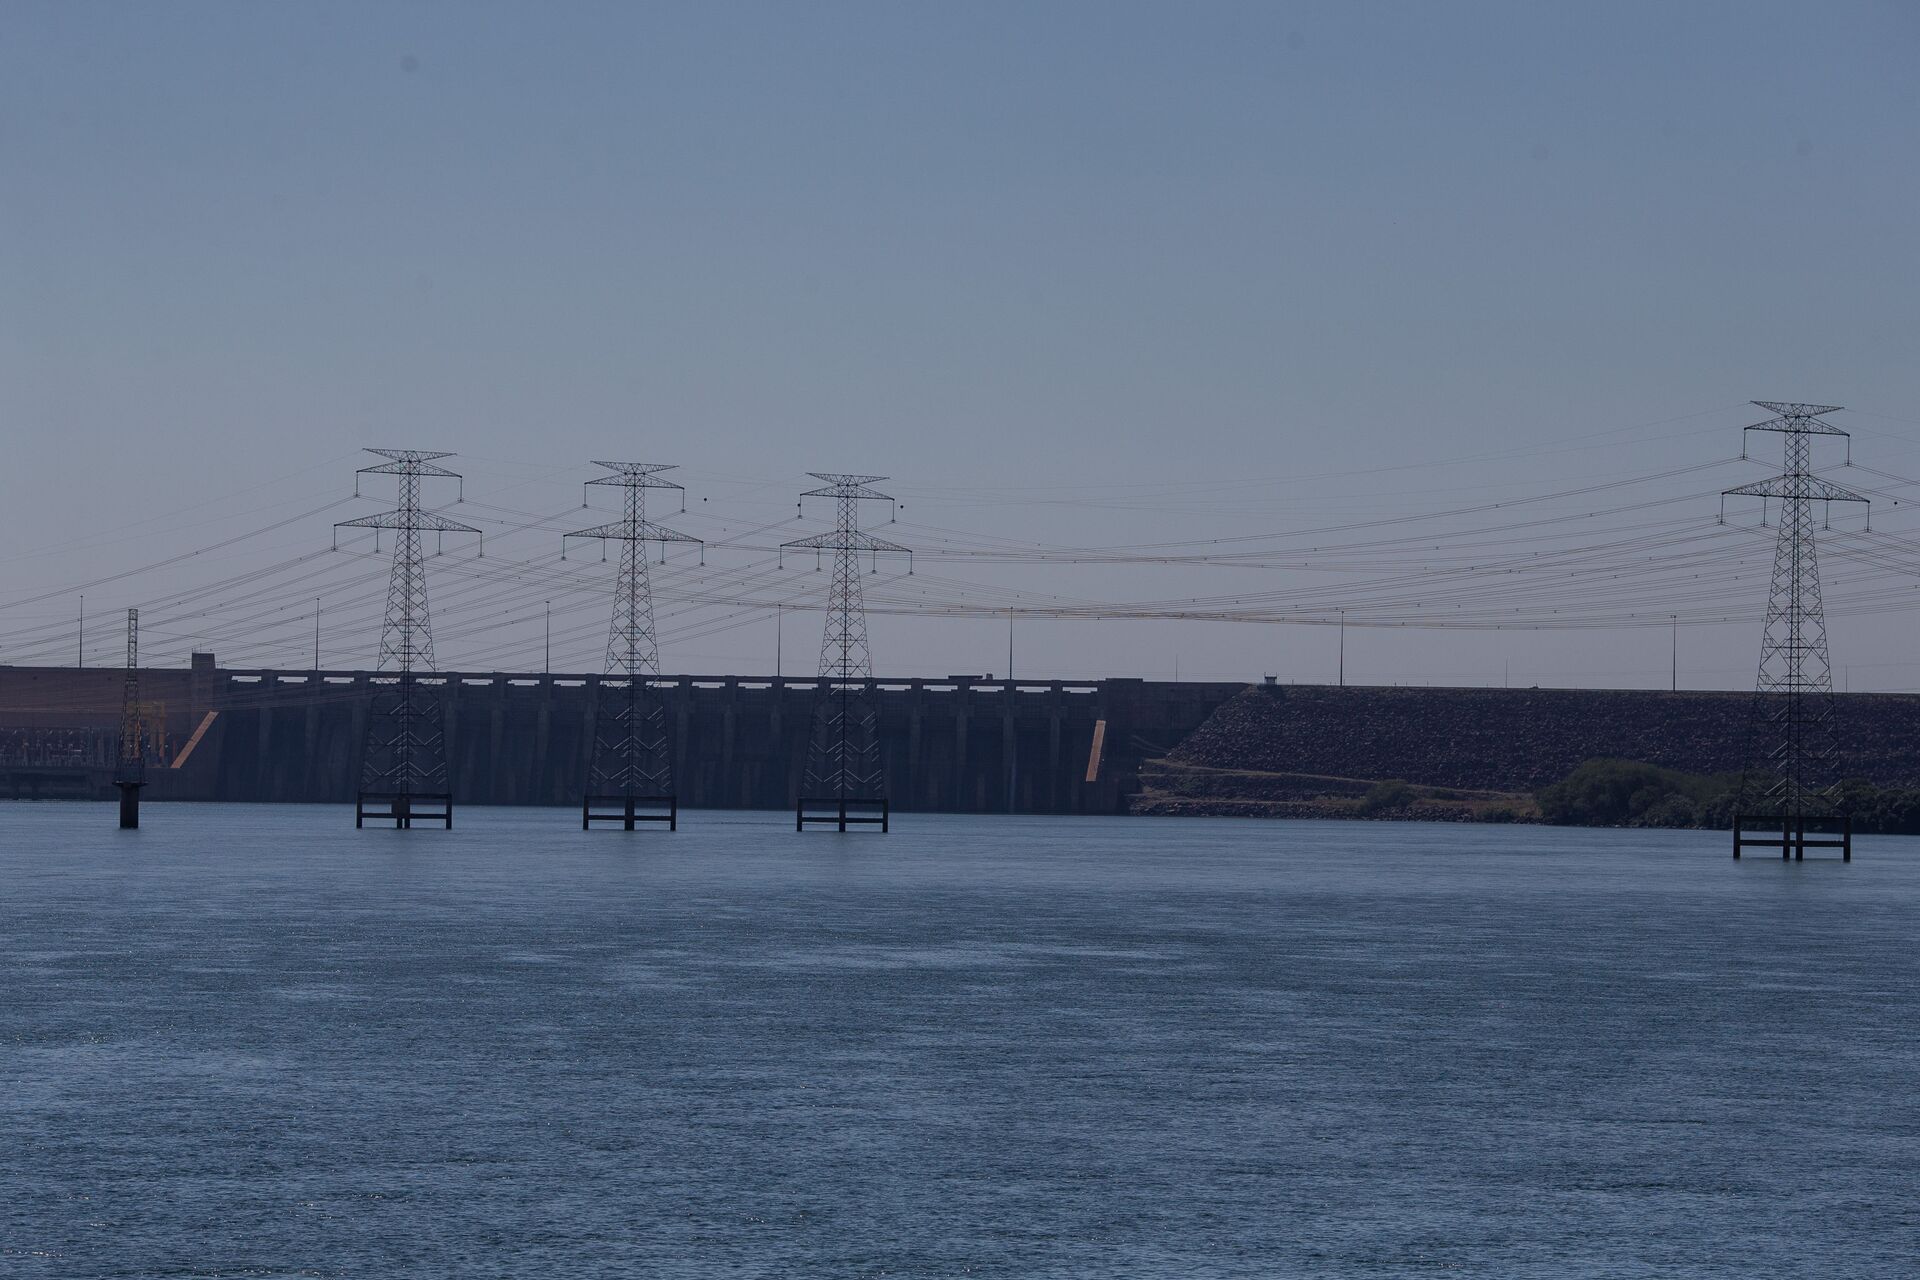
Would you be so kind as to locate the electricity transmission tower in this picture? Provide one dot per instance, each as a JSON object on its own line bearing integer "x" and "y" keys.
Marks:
{"x": 630, "y": 778}
{"x": 403, "y": 774}
{"x": 130, "y": 770}
{"x": 1792, "y": 760}
{"x": 845, "y": 778}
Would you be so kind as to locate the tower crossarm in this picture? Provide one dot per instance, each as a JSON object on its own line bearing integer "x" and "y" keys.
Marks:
{"x": 403, "y": 519}
{"x": 840, "y": 485}
{"x": 418, "y": 462}
{"x": 1793, "y": 416}
{"x": 1811, "y": 487}
{"x": 642, "y": 475}
{"x": 844, "y": 540}
{"x": 635, "y": 531}
{"x": 634, "y": 525}
{"x": 409, "y": 465}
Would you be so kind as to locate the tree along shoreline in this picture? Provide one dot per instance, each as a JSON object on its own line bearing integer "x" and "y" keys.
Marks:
{"x": 1629, "y": 793}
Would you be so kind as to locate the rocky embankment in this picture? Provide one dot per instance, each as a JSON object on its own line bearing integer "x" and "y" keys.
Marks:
{"x": 1474, "y": 754}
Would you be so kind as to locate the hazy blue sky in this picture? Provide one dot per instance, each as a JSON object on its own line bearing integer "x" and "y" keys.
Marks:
{"x": 972, "y": 247}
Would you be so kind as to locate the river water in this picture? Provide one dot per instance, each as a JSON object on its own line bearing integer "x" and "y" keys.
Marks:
{"x": 250, "y": 1041}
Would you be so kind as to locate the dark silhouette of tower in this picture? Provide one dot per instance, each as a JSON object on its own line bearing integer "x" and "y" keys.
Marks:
{"x": 403, "y": 774}
{"x": 130, "y": 769}
{"x": 1792, "y": 761}
{"x": 845, "y": 779}
{"x": 630, "y": 778}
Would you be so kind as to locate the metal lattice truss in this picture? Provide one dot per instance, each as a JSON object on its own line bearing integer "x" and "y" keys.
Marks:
{"x": 1793, "y": 755}
{"x": 406, "y": 750}
{"x": 844, "y": 760}
{"x": 132, "y": 764}
{"x": 631, "y": 752}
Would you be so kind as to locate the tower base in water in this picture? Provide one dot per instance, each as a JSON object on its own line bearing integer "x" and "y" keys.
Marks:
{"x": 835, "y": 811}
{"x": 629, "y": 811}
{"x": 403, "y": 809}
{"x": 129, "y": 804}
{"x": 1789, "y": 835}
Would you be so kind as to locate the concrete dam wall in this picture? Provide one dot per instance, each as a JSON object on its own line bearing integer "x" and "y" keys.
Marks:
{"x": 954, "y": 745}
{"x": 957, "y": 745}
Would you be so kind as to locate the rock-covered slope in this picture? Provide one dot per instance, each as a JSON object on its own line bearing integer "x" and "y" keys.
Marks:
{"x": 1517, "y": 740}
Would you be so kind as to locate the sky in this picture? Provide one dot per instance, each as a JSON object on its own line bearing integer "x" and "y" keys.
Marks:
{"x": 1076, "y": 274}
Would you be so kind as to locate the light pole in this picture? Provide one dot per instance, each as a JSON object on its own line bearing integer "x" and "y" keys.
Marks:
{"x": 546, "y": 662}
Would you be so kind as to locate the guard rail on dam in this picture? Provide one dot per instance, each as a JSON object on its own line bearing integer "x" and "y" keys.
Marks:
{"x": 959, "y": 744}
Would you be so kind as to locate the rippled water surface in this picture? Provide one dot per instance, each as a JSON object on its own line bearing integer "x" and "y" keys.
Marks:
{"x": 254, "y": 1042}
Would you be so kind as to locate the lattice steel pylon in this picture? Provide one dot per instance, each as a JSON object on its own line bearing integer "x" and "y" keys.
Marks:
{"x": 845, "y": 779}
{"x": 630, "y": 778}
{"x": 403, "y": 773}
{"x": 1793, "y": 757}
{"x": 130, "y": 768}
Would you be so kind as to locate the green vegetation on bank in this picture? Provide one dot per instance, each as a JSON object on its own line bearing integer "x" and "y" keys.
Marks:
{"x": 1386, "y": 797}
{"x": 1628, "y": 793}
